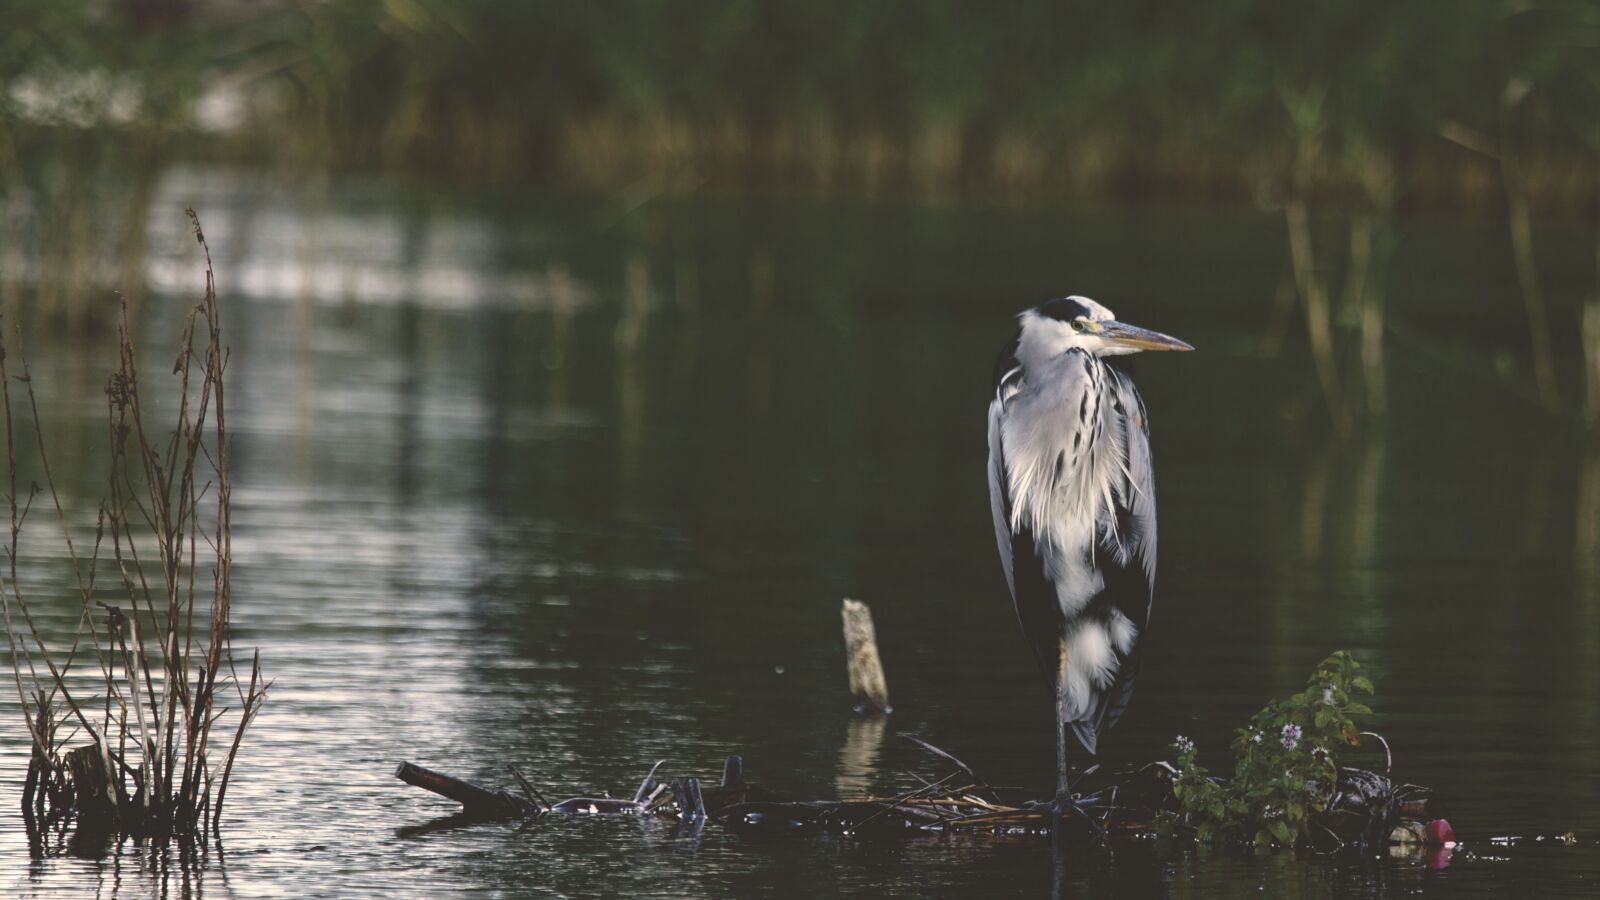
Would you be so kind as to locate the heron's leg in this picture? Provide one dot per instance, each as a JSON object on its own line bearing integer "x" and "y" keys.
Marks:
{"x": 1063, "y": 793}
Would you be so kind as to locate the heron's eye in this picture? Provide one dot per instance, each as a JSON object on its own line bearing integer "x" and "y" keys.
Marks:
{"x": 1078, "y": 326}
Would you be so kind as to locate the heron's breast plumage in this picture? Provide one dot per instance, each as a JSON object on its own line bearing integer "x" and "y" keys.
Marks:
{"x": 1063, "y": 461}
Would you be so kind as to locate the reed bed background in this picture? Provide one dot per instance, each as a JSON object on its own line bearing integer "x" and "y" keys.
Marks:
{"x": 1343, "y": 119}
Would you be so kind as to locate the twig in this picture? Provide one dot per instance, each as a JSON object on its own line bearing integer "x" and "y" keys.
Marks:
{"x": 953, "y": 760}
{"x": 1388, "y": 757}
{"x": 532, "y": 792}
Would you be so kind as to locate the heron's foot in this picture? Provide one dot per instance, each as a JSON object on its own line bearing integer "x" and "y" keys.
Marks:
{"x": 1065, "y": 807}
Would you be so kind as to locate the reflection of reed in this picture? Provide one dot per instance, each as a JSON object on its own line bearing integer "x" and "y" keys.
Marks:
{"x": 686, "y": 284}
{"x": 1360, "y": 540}
{"x": 129, "y": 272}
{"x": 68, "y": 239}
{"x": 409, "y": 393}
{"x": 1541, "y": 488}
{"x": 1282, "y": 312}
{"x": 1362, "y": 394}
{"x": 1332, "y": 525}
{"x": 1519, "y": 218}
{"x": 1363, "y": 520}
{"x": 686, "y": 298}
{"x": 312, "y": 236}
{"x": 763, "y": 291}
{"x": 638, "y": 301}
{"x": 1363, "y": 299}
{"x": 1591, "y": 354}
{"x": 1586, "y": 544}
{"x": 1364, "y": 388}
{"x": 858, "y": 758}
{"x": 1586, "y": 576}
{"x": 563, "y": 311}
{"x": 1314, "y": 503}
{"x": 1314, "y": 295}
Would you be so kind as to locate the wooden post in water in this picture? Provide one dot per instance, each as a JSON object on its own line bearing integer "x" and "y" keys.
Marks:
{"x": 861, "y": 654}
{"x": 95, "y": 790}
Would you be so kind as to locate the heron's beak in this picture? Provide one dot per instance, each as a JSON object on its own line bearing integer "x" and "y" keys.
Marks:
{"x": 1133, "y": 337}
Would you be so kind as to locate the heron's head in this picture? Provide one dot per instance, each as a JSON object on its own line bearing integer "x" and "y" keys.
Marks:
{"x": 1071, "y": 323}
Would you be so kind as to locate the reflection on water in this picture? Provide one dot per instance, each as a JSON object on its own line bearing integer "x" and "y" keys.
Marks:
{"x": 1586, "y": 584}
{"x": 858, "y": 757}
{"x": 521, "y": 482}
{"x": 1325, "y": 523}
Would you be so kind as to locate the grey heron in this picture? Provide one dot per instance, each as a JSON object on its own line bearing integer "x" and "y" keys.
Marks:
{"x": 1074, "y": 504}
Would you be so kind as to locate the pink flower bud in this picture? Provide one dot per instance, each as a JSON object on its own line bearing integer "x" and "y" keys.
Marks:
{"x": 1440, "y": 834}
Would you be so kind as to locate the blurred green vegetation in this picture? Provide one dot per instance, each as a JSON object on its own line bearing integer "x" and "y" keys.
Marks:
{"x": 1014, "y": 100}
{"x": 1342, "y": 116}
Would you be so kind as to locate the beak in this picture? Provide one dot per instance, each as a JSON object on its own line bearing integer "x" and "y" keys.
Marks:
{"x": 1133, "y": 337}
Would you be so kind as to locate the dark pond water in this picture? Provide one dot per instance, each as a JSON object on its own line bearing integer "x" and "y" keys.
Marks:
{"x": 578, "y": 485}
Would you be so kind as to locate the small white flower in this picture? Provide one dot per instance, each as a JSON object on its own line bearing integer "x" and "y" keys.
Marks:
{"x": 1183, "y": 745}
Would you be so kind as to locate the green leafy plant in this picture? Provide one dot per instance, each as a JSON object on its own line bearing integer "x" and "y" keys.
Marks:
{"x": 1286, "y": 766}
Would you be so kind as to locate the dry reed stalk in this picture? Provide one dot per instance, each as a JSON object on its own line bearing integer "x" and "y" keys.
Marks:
{"x": 168, "y": 512}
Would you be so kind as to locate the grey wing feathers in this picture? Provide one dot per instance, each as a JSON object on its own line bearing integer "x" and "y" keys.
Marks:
{"x": 1129, "y": 575}
{"x": 1032, "y": 592}
{"x": 999, "y": 496}
{"x": 1007, "y": 380}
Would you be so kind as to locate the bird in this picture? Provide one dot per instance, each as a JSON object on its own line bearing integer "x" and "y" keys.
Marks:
{"x": 1073, "y": 497}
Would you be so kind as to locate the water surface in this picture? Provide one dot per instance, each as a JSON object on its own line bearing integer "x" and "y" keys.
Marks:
{"x": 577, "y": 485}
